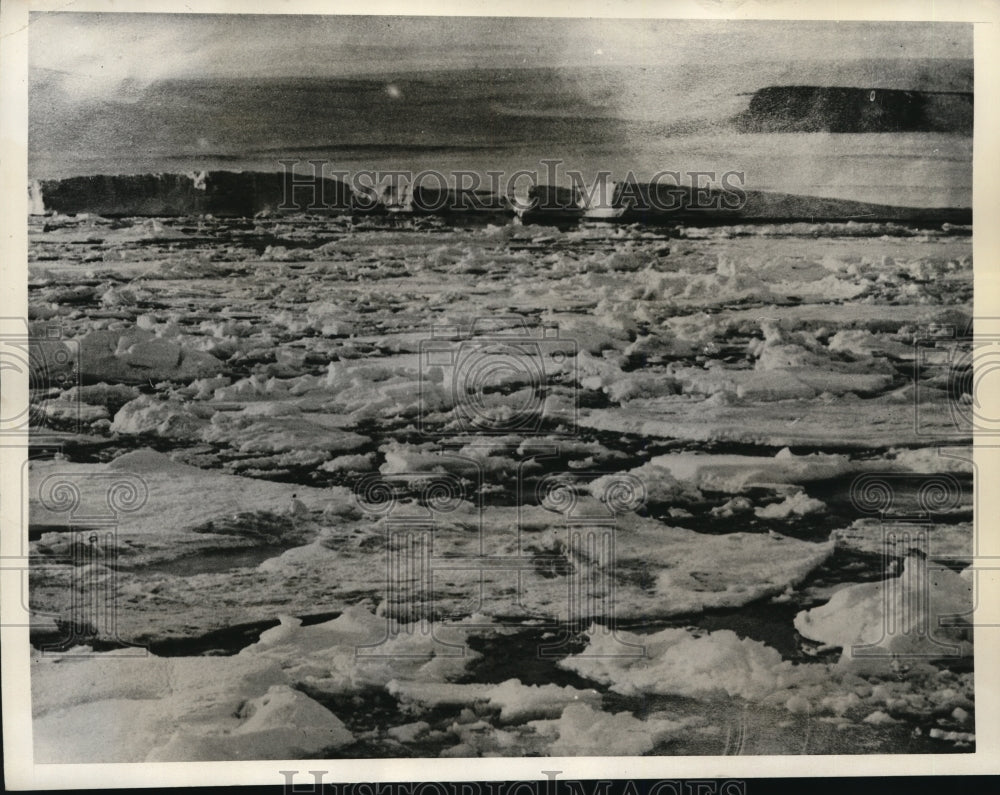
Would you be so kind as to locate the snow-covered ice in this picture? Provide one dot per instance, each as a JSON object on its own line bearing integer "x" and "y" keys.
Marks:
{"x": 332, "y": 551}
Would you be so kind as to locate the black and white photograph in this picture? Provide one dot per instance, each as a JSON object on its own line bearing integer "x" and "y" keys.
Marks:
{"x": 440, "y": 386}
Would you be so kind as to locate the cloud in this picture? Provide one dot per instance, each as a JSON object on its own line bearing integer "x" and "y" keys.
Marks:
{"x": 98, "y": 54}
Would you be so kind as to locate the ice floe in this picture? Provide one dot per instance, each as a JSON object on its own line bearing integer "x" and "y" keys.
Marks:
{"x": 921, "y": 613}
{"x": 291, "y": 350}
{"x": 146, "y": 708}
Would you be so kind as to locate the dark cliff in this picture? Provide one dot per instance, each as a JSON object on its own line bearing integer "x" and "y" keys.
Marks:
{"x": 856, "y": 110}
{"x": 245, "y": 194}
{"x": 222, "y": 193}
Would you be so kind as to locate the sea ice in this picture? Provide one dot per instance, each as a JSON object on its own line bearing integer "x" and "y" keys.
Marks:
{"x": 165, "y": 513}
{"x": 733, "y": 473}
{"x": 138, "y": 356}
{"x": 677, "y": 662}
{"x": 146, "y": 708}
{"x": 798, "y": 504}
{"x": 359, "y": 649}
{"x": 582, "y": 730}
{"x": 517, "y": 702}
{"x": 897, "y": 616}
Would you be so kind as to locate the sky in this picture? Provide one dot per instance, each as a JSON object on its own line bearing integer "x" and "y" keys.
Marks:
{"x": 133, "y": 93}
{"x": 96, "y": 53}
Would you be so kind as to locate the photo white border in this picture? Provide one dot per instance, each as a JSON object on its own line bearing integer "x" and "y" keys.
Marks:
{"x": 20, "y": 770}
